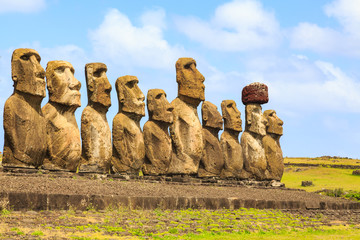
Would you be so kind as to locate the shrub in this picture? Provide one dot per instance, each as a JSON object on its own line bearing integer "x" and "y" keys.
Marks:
{"x": 353, "y": 195}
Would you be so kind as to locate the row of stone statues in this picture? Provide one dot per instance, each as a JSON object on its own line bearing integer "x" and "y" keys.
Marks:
{"x": 173, "y": 141}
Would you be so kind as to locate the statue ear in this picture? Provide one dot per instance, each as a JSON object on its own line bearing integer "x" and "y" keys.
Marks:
{"x": 49, "y": 86}
{"x": 205, "y": 116}
{"x": 150, "y": 107}
{"x": 248, "y": 121}
{"x": 91, "y": 85}
{"x": 204, "y": 112}
{"x": 248, "y": 115}
{"x": 121, "y": 96}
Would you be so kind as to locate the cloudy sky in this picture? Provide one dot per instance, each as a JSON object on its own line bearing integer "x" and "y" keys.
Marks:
{"x": 306, "y": 51}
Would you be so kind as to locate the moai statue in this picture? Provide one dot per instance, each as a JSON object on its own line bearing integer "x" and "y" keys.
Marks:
{"x": 24, "y": 124}
{"x": 158, "y": 147}
{"x": 212, "y": 162}
{"x": 95, "y": 131}
{"x": 273, "y": 153}
{"x": 231, "y": 148}
{"x": 253, "y": 95}
{"x": 186, "y": 130}
{"x": 63, "y": 135}
{"x": 128, "y": 140}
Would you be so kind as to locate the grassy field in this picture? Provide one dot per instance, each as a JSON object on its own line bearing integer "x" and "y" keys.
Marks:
{"x": 123, "y": 223}
{"x": 322, "y": 177}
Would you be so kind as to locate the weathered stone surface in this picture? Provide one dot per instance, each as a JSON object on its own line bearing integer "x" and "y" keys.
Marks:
{"x": 271, "y": 143}
{"x": 186, "y": 130}
{"x": 128, "y": 140}
{"x": 158, "y": 147}
{"x": 24, "y": 125}
{"x": 251, "y": 142}
{"x": 255, "y": 93}
{"x": 306, "y": 183}
{"x": 231, "y": 148}
{"x": 95, "y": 130}
{"x": 212, "y": 162}
{"x": 25, "y": 200}
{"x": 63, "y": 135}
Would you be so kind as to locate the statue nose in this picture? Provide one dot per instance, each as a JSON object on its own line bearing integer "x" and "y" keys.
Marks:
{"x": 39, "y": 70}
{"x": 169, "y": 108}
{"x": 74, "y": 84}
{"x": 141, "y": 98}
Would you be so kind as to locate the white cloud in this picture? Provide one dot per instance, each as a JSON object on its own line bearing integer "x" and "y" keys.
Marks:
{"x": 24, "y": 6}
{"x": 297, "y": 85}
{"x": 154, "y": 18}
{"x": 218, "y": 82}
{"x": 118, "y": 40}
{"x": 305, "y": 86}
{"x": 345, "y": 41}
{"x": 239, "y": 25}
{"x": 347, "y": 12}
{"x": 71, "y": 53}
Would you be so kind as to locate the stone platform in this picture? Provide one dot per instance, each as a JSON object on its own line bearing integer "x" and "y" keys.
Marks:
{"x": 60, "y": 190}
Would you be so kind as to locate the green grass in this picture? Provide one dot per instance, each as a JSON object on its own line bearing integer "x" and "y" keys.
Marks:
{"x": 322, "y": 177}
{"x": 304, "y": 235}
{"x": 307, "y": 234}
{"x": 178, "y": 224}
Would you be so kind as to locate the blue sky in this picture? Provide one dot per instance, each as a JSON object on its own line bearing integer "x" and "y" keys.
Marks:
{"x": 307, "y": 52}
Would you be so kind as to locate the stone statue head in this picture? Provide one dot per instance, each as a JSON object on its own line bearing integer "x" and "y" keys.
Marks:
{"x": 255, "y": 121}
{"x": 158, "y": 106}
{"x": 131, "y": 99}
{"x": 231, "y": 115}
{"x": 62, "y": 85}
{"x": 211, "y": 116}
{"x": 27, "y": 73}
{"x": 98, "y": 86}
{"x": 274, "y": 123}
{"x": 190, "y": 80}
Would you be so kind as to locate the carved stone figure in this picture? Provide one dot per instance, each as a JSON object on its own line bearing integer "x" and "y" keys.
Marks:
{"x": 273, "y": 153}
{"x": 186, "y": 130}
{"x": 231, "y": 148}
{"x": 212, "y": 162}
{"x": 24, "y": 124}
{"x": 128, "y": 140}
{"x": 158, "y": 148}
{"x": 255, "y": 129}
{"x": 63, "y": 135}
{"x": 95, "y": 130}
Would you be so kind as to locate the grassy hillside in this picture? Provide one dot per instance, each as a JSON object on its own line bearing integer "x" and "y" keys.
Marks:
{"x": 322, "y": 177}
{"x": 324, "y": 161}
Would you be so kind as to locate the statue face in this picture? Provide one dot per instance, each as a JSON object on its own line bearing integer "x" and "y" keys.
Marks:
{"x": 131, "y": 99}
{"x": 231, "y": 115}
{"x": 62, "y": 85}
{"x": 211, "y": 116}
{"x": 189, "y": 79}
{"x": 274, "y": 123}
{"x": 98, "y": 85}
{"x": 255, "y": 121}
{"x": 158, "y": 106}
{"x": 27, "y": 73}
